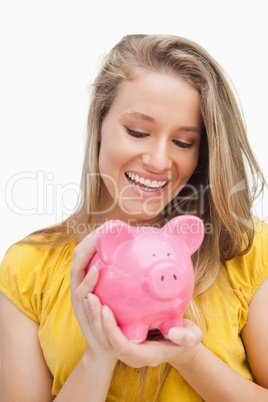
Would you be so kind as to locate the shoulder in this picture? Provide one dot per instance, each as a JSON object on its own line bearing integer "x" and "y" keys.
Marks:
{"x": 27, "y": 270}
{"x": 31, "y": 254}
{"x": 259, "y": 250}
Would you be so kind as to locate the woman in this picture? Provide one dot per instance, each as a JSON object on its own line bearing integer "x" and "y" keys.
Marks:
{"x": 165, "y": 138}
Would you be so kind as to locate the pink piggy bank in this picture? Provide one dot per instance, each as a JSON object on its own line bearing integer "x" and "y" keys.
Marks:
{"x": 146, "y": 273}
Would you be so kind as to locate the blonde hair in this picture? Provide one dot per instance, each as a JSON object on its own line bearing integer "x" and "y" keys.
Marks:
{"x": 220, "y": 178}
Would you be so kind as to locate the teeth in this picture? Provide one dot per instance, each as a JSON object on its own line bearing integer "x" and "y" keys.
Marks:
{"x": 146, "y": 182}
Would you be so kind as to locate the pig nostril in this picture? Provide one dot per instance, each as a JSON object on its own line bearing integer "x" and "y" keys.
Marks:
{"x": 163, "y": 277}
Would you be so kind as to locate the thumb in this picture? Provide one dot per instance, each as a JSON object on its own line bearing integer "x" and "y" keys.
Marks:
{"x": 187, "y": 336}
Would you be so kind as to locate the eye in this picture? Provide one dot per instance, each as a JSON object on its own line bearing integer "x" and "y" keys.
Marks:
{"x": 182, "y": 144}
{"x": 136, "y": 134}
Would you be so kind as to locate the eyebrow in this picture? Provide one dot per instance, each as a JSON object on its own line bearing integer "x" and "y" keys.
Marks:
{"x": 138, "y": 115}
{"x": 192, "y": 129}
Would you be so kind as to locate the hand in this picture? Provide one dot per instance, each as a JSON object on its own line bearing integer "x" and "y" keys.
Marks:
{"x": 89, "y": 318}
{"x": 181, "y": 348}
{"x": 105, "y": 340}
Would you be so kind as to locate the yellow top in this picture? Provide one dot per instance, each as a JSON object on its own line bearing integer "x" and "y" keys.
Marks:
{"x": 36, "y": 280}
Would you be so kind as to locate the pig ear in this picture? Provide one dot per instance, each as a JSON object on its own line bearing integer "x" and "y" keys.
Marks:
{"x": 111, "y": 234}
{"x": 189, "y": 229}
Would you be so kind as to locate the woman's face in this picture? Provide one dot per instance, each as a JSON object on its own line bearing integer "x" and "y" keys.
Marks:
{"x": 149, "y": 146}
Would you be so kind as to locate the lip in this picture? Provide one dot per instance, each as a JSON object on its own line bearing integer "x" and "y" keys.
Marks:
{"x": 149, "y": 176}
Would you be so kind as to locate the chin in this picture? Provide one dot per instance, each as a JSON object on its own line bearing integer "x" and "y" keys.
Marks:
{"x": 143, "y": 218}
{"x": 146, "y": 211}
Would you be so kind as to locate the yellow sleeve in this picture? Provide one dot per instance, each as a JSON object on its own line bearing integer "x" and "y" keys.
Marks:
{"x": 26, "y": 272}
{"x": 249, "y": 271}
{"x": 259, "y": 259}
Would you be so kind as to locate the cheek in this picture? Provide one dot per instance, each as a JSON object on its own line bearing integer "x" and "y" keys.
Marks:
{"x": 188, "y": 165}
{"x": 112, "y": 158}
{"x": 107, "y": 153}
{"x": 195, "y": 161}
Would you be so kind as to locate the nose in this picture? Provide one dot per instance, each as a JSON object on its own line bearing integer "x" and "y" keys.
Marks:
{"x": 157, "y": 157}
{"x": 166, "y": 282}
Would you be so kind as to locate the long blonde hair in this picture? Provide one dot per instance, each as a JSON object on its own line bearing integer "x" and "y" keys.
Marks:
{"x": 218, "y": 191}
{"x": 220, "y": 179}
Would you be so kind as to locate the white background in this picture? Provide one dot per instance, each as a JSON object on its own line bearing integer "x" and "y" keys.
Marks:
{"x": 49, "y": 55}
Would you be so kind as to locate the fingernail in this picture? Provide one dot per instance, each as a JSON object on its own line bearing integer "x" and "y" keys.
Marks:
{"x": 91, "y": 234}
{"x": 87, "y": 308}
{"x": 176, "y": 335}
{"x": 105, "y": 312}
{"x": 90, "y": 301}
{"x": 92, "y": 271}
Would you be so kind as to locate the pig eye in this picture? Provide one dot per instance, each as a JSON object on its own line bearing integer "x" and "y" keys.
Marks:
{"x": 153, "y": 255}
{"x": 168, "y": 254}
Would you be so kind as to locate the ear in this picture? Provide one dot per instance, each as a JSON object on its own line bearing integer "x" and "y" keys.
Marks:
{"x": 189, "y": 229}
{"x": 111, "y": 235}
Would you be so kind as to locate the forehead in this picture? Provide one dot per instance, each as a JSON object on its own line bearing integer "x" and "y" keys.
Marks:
{"x": 158, "y": 95}
{"x": 157, "y": 82}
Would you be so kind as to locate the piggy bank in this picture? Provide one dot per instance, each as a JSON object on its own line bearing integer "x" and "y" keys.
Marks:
{"x": 146, "y": 273}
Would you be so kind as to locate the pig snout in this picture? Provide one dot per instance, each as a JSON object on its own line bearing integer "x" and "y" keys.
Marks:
{"x": 165, "y": 281}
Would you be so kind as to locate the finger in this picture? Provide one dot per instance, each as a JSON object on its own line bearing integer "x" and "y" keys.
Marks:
{"x": 93, "y": 309}
{"x": 81, "y": 256}
{"x": 187, "y": 336}
{"x": 110, "y": 324}
{"x": 132, "y": 354}
{"x": 115, "y": 336}
{"x": 189, "y": 324}
{"x": 194, "y": 328}
{"x": 87, "y": 285}
{"x": 85, "y": 249}
{"x": 148, "y": 353}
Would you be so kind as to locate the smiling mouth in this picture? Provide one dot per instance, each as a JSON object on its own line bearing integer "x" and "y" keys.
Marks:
{"x": 145, "y": 184}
